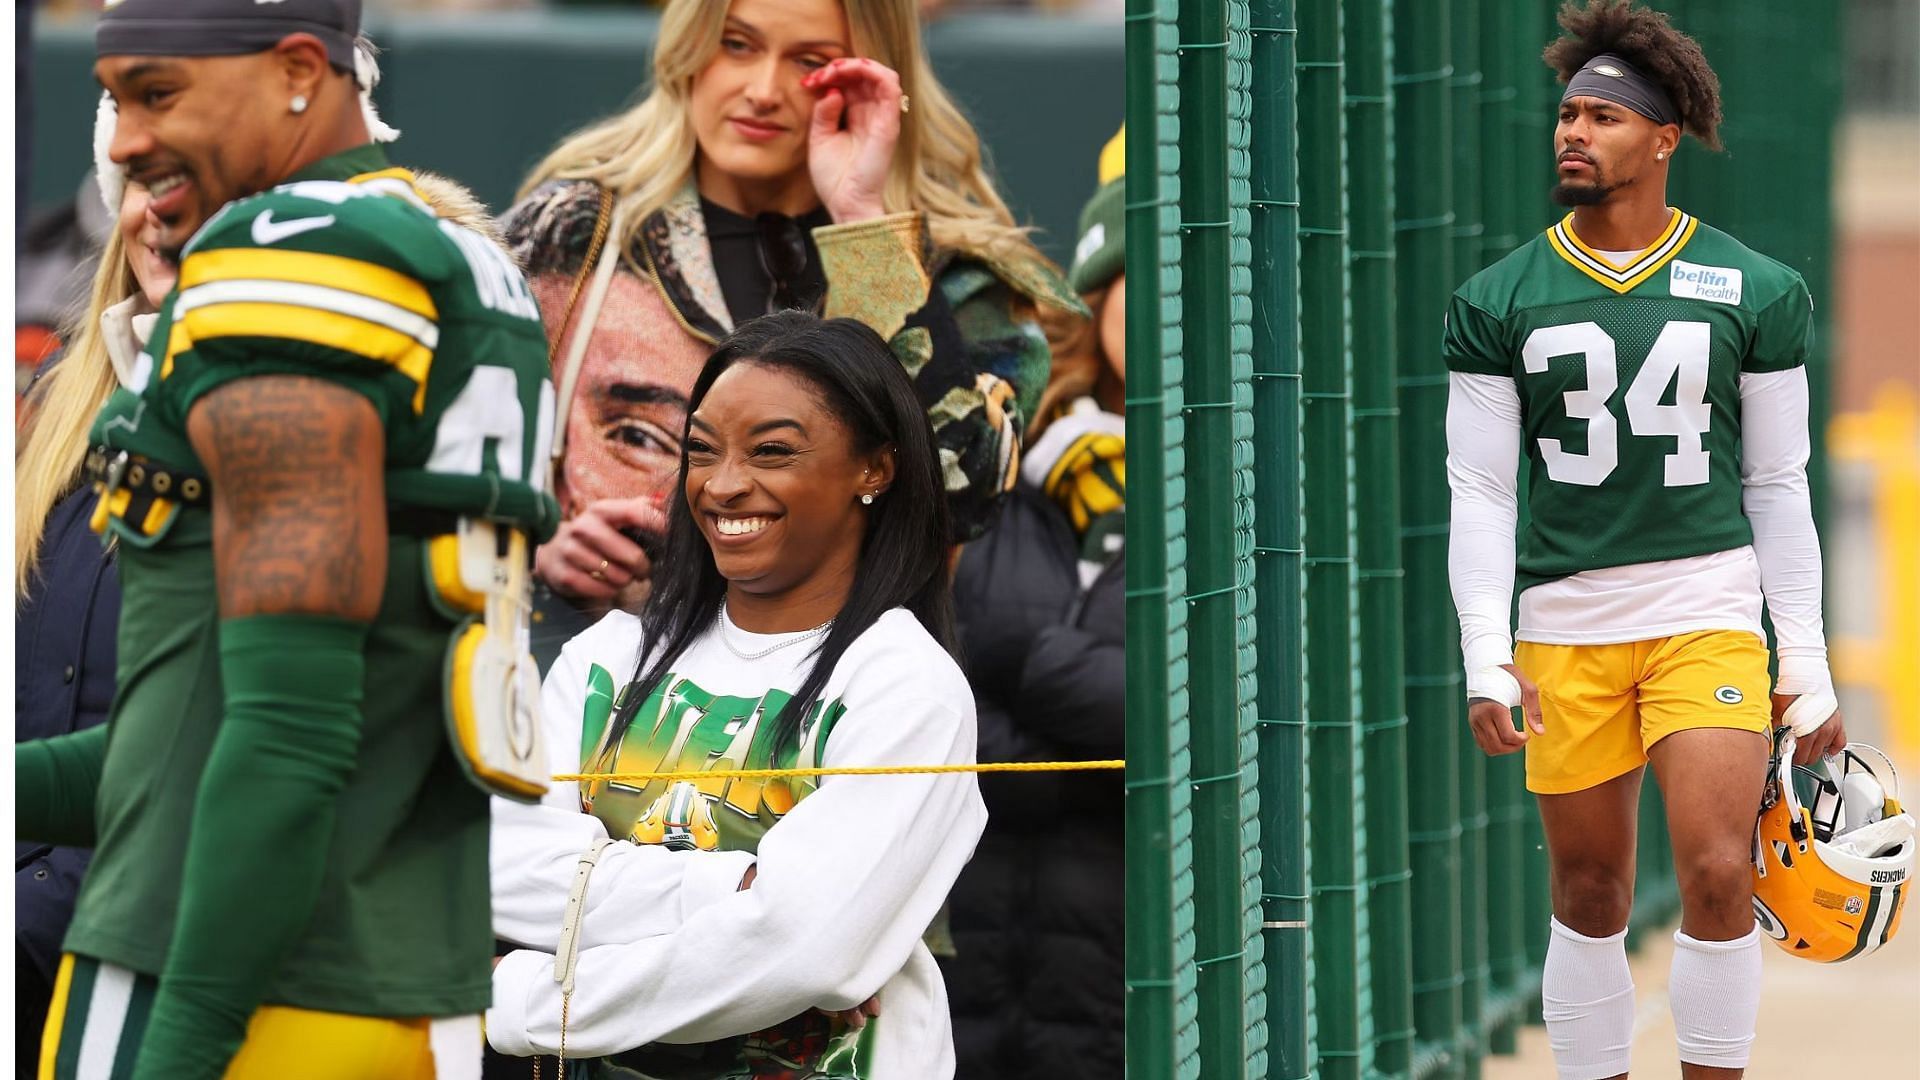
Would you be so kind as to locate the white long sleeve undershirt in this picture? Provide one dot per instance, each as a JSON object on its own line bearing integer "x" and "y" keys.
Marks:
{"x": 1722, "y": 590}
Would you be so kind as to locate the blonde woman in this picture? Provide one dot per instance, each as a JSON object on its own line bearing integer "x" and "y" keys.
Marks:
{"x": 791, "y": 154}
{"x": 66, "y": 590}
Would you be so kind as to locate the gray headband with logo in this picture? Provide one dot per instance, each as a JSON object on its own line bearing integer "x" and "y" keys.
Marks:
{"x": 224, "y": 27}
{"x": 1608, "y": 76}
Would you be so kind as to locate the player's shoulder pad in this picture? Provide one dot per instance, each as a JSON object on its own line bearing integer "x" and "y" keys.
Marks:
{"x": 329, "y": 217}
{"x": 1494, "y": 288}
{"x": 1766, "y": 278}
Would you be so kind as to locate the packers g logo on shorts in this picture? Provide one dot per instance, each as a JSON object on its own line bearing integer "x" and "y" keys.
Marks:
{"x": 1729, "y": 695}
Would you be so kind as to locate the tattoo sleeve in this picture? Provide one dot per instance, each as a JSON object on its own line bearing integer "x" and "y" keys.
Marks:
{"x": 299, "y": 503}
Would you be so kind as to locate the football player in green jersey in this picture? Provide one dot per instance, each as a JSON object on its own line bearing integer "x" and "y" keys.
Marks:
{"x": 324, "y": 476}
{"x": 1651, "y": 369}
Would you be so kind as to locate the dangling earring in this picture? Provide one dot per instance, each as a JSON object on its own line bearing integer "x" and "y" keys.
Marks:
{"x": 298, "y": 104}
{"x": 867, "y": 499}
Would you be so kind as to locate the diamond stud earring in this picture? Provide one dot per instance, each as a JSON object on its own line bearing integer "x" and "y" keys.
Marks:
{"x": 867, "y": 499}
{"x": 298, "y": 104}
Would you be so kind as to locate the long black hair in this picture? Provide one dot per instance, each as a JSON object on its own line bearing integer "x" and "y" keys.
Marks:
{"x": 902, "y": 557}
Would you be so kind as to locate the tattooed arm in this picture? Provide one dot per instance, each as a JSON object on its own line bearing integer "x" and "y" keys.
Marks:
{"x": 299, "y": 508}
{"x": 300, "y": 555}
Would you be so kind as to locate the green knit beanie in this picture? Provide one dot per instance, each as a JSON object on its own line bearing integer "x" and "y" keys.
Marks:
{"x": 1101, "y": 253}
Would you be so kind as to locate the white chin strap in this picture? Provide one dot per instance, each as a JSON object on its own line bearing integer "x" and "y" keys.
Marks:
{"x": 1494, "y": 683}
{"x": 1809, "y": 711}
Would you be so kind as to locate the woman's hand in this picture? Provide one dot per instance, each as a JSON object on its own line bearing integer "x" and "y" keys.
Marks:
{"x": 590, "y": 558}
{"x": 849, "y": 165}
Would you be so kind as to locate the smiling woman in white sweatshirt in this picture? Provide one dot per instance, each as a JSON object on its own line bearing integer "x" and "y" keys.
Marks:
{"x": 735, "y": 927}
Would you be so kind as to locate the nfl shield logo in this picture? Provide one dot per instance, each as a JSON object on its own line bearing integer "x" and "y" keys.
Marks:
{"x": 1853, "y": 905}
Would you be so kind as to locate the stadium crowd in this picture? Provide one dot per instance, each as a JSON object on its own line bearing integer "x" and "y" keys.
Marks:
{"x": 755, "y": 434}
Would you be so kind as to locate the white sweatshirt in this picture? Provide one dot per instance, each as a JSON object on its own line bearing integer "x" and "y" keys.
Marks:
{"x": 1722, "y": 590}
{"x": 848, "y": 881}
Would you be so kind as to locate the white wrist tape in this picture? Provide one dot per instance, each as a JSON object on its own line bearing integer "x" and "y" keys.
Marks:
{"x": 1809, "y": 711}
{"x": 1494, "y": 683}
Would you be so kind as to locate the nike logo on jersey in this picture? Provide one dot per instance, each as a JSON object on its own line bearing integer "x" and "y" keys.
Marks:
{"x": 268, "y": 231}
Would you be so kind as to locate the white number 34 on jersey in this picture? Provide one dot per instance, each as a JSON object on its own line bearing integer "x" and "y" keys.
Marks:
{"x": 1679, "y": 354}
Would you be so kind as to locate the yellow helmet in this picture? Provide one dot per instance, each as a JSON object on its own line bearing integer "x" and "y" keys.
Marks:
{"x": 1829, "y": 881}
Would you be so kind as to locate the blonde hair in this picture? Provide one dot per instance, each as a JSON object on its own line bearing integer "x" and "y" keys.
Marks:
{"x": 1080, "y": 367}
{"x": 54, "y": 446}
{"x": 646, "y": 154}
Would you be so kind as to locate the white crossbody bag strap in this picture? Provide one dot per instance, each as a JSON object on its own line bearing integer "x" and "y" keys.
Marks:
{"x": 583, "y": 334}
{"x": 567, "y": 955}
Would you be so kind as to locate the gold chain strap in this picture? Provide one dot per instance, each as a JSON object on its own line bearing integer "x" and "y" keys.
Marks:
{"x": 601, "y": 222}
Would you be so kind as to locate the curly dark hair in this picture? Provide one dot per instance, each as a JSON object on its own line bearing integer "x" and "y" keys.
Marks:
{"x": 1644, "y": 38}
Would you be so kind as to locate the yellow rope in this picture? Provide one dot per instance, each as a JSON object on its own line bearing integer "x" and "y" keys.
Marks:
{"x": 851, "y": 770}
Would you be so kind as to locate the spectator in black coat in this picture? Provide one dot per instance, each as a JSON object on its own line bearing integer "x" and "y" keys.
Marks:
{"x": 63, "y": 650}
{"x": 1037, "y": 918}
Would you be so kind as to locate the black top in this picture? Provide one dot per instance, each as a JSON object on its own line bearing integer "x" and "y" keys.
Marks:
{"x": 746, "y": 265}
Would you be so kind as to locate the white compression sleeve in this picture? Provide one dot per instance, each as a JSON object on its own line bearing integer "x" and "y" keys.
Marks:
{"x": 1586, "y": 996}
{"x": 1773, "y": 475}
{"x": 1715, "y": 990}
{"x": 1483, "y": 464}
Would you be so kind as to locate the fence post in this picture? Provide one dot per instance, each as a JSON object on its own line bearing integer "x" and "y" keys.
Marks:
{"x": 1217, "y": 521}
{"x": 1162, "y": 1031}
{"x": 1245, "y": 659}
{"x": 1501, "y": 191}
{"x": 1423, "y": 197}
{"x": 1342, "y": 975}
{"x": 1278, "y": 575}
{"x": 1376, "y": 419}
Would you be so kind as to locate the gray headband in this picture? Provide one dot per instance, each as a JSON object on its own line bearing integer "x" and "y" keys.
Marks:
{"x": 224, "y": 27}
{"x": 1608, "y": 76}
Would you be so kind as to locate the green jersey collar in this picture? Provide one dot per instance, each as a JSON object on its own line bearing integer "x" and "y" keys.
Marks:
{"x": 345, "y": 165}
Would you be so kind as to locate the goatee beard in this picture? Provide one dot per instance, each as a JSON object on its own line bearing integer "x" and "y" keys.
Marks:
{"x": 1592, "y": 194}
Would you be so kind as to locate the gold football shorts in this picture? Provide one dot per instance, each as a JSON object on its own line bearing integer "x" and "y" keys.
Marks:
{"x": 1604, "y": 706}
{"x": 98, "y": 1017}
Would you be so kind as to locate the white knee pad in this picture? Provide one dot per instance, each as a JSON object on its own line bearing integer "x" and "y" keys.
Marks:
{"x": 1586, "y": 997}
{"x": 1715, "y": 989}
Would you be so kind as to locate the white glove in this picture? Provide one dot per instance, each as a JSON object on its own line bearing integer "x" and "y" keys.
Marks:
{"x": 1809, "y": 711}
{"x": 1494, "y": 683}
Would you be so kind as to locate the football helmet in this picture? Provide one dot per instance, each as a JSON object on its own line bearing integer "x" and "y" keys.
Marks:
{"x": 1833, "y": 853}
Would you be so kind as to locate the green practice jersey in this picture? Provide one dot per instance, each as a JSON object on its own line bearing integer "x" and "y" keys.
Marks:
{"x": 341, "y": 274}
{"x": 1629, "y": 386}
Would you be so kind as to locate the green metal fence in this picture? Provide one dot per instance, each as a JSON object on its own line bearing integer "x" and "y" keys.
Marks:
{"x": 1326, "y": 876}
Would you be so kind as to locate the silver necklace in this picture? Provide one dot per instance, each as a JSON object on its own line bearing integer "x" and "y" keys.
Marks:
{"x": 720, "y": 625}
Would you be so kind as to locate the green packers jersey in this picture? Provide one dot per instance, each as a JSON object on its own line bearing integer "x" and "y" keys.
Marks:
{"x": 341, "y": 274}
{"x": 1629, "y": 386}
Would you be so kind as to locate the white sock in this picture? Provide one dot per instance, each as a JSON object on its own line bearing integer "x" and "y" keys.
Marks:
{"x": 1715, "y": 989}
{"x": 1586, "y": 996}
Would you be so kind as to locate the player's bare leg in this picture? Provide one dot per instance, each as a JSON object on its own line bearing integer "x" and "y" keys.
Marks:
{"x": 1590, "y": 852}
{"x": 1586, "y": 990}
{"x": 1711, "y": 779}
